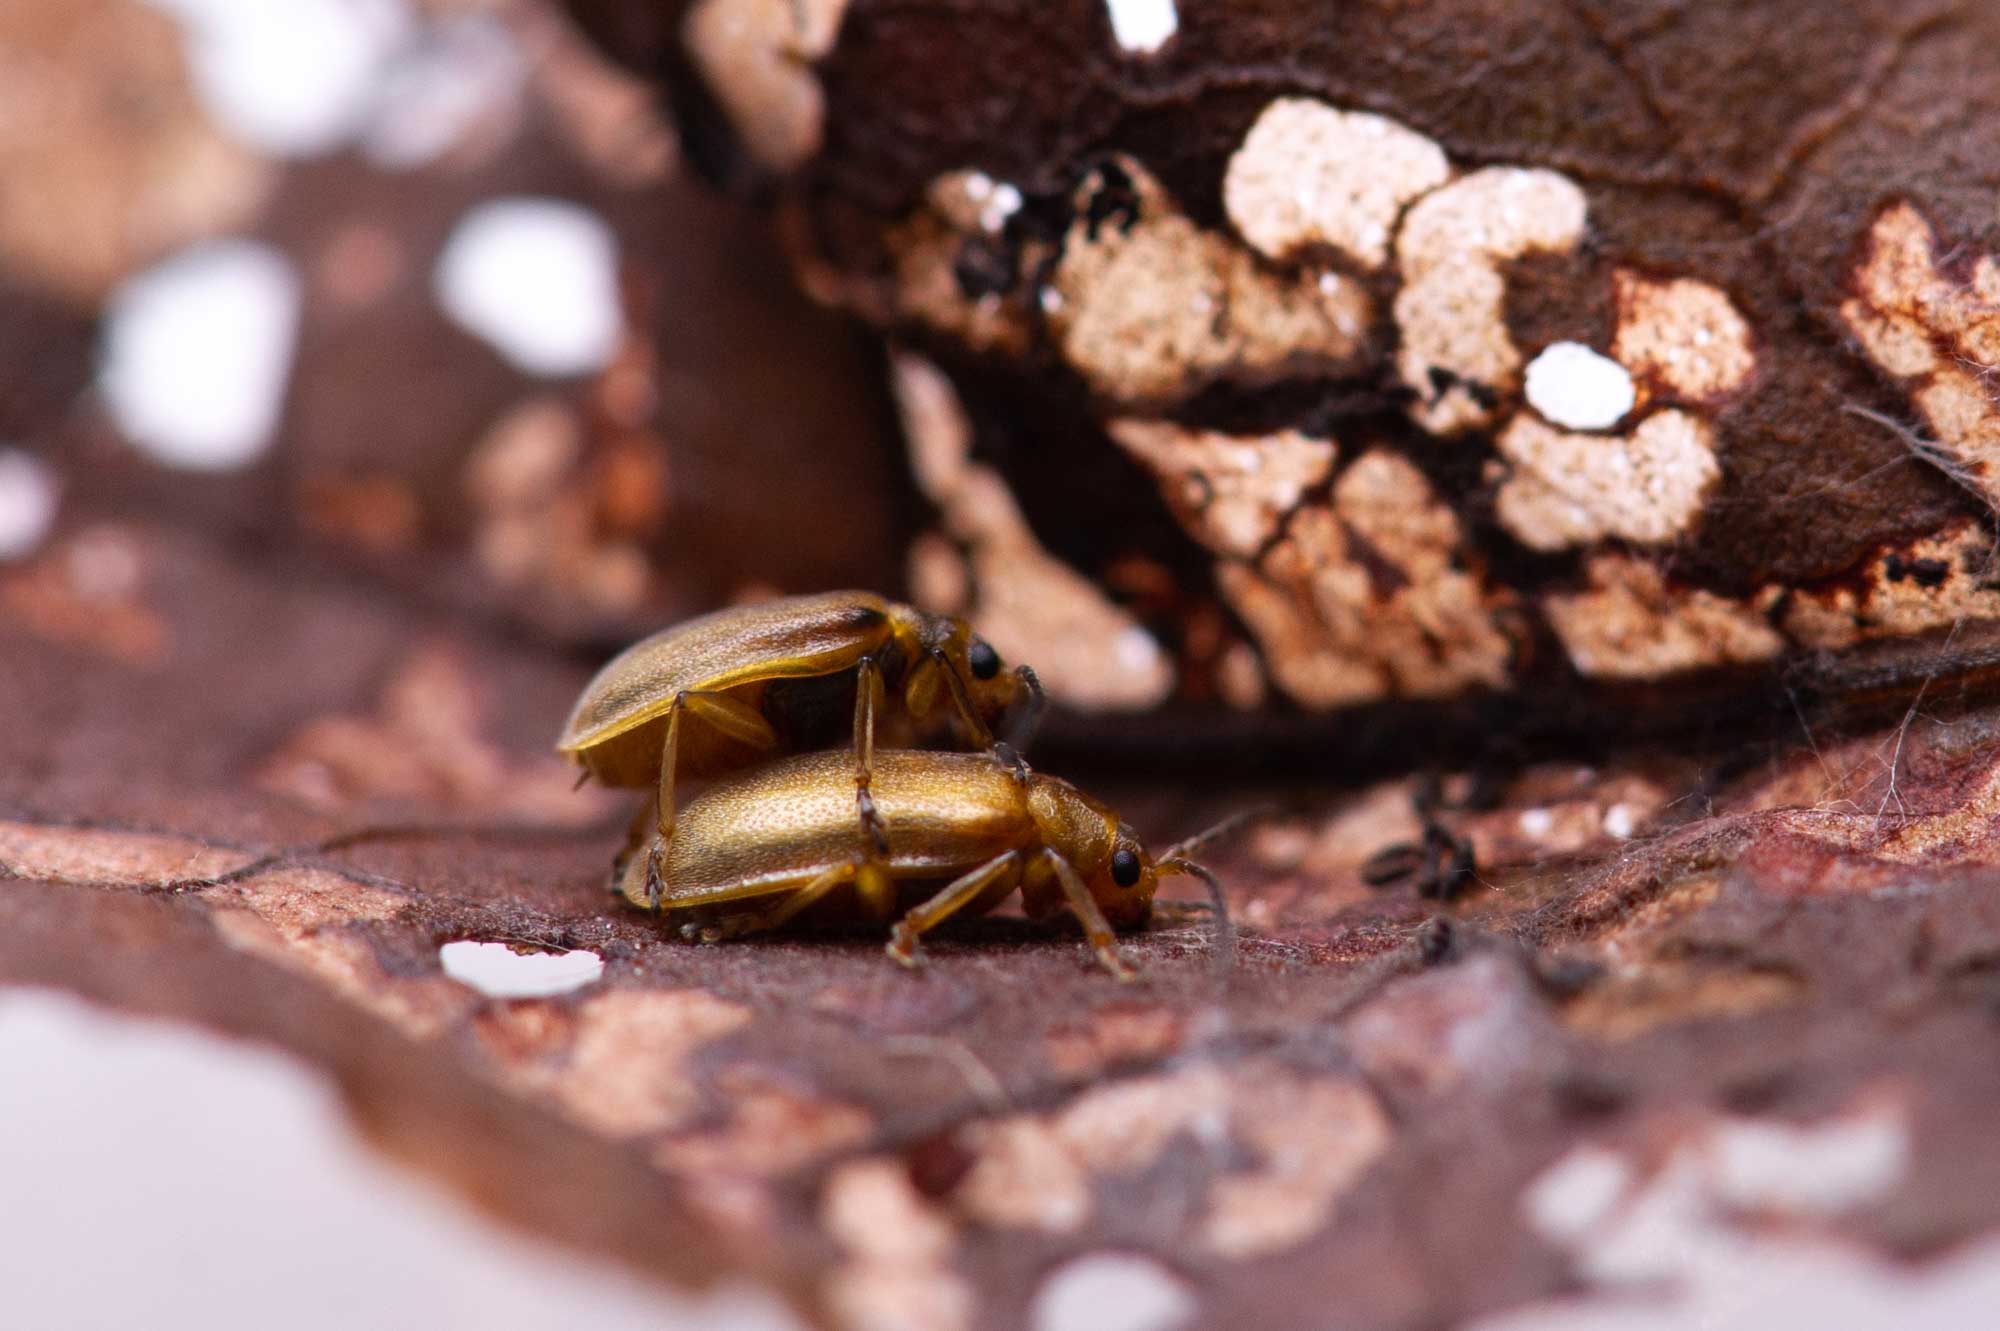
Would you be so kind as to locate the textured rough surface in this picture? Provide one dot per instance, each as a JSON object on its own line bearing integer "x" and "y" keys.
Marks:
{"x": 1773, "y": 281}
{"x": 1532, "y": 1020}
{"x": 1735, "y": 978}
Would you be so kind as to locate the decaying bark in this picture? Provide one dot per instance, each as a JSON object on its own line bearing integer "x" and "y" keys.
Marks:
{"x": 1586, "y": 489}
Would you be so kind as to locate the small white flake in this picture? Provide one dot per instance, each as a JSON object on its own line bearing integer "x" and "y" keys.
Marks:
{"x": 1574, "y": 387}
{"x": 1536, "y": 822}
{"x": 28, "y": 495}
{"x": 537, "y": 278}
{"x": 441, "y": 86}
{"x": 1143, "y": 26}
{"x": 1819, "y": 1168}
{"x": 1619, "y": 821}
{"x": 1112, "y": 1292}
{"x": 1136, "y": 650}
{"x": 498, "y": 971}
{"x": 291, "y": 77}
{"x": 197, "y": 351}
{"x": 1574, "y": 1197}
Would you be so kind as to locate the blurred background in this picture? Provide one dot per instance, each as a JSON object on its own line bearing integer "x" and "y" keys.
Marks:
{"x": 417, "y": 292}
{"x": 424, "y": 285}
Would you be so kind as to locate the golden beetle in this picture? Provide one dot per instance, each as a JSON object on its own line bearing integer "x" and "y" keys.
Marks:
{"x": 961, "y": 832}
{"x": 728, "y": 689}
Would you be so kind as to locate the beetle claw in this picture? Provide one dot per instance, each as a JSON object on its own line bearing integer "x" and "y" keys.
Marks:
{"x": 902, "y": 950}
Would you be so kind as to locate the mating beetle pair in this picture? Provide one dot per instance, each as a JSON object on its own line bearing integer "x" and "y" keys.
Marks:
{"x": 834, "y": 835}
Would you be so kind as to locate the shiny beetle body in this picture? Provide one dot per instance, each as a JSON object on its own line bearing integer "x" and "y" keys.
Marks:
{"x": 962, "y": 831}
{"x": 729, "y": 689}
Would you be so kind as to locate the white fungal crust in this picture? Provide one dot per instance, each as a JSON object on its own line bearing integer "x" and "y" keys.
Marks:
{"x": 1685, "y": 337}
{"x": 1363, "y": 599}
{"x": 756, "y": 57}
{"x": 1925, "y": 584}
{"x": 1026, "y": 602}
{"x": 1941, "y": 338}
{"x": 961, "y": 208}
{"x": 1630, "y": 624}
{"x": 1230, "y": 492}
{"x": 1308, "y": 174}
{"x": 1566, "y": 489}
{"x": 1151, "y": 306}
{"x": 1451, "y": 311}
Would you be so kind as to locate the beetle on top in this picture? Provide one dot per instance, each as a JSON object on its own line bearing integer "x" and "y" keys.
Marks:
{"x": 727, "y": 690}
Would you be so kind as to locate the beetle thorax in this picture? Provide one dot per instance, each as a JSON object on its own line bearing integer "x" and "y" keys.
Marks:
{"x": 1071, "y": 823}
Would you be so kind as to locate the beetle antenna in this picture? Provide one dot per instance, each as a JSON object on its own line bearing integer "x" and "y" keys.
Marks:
{"x": 1223, "y": 950}
{"x": 1022, "y": 728}
{"x": 1189, "y": 845}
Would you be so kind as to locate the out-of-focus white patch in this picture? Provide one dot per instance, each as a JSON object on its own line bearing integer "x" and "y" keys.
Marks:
{"x": 440, "y": 86}
{"x": 1112, "y": 1292}
{"x": 1574, "y": 387}
{"x": 28, "y": 497}
{"x": 197, "y": 351}
{"x": 1137, "y": 650}
{"x": 1817, "y": 1169}
{"x": 290, "y": 77}
{"x": 537, "y": 278}
{"x": 1536, "y": 822}
{"x": 996, "y": 200}
{"x": 1143, "y": 25}
{"x": 226, "y": 1179}
{"x": 1619, "y": 821}
{"x": 1575, "y": 1195}
{"x": 497, "y": 971}
{"x": 1669, "y": 1255}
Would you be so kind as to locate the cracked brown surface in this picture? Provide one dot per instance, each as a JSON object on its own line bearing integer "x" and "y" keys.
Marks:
{"x": 270, "y": 741}
{"x": 1653, "y": 949}
{"x": 1779, "y": 226}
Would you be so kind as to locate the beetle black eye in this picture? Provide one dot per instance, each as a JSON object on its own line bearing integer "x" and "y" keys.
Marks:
{"x": 1124, "y": 867}
{"x": 985, "y": 662}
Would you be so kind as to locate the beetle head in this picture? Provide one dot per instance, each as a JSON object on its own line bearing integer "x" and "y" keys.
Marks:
{"x": 991, "y": 690}
{"x": 1108, "y": 855}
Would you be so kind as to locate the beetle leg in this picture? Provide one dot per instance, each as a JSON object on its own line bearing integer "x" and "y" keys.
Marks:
{"x": 955, "y": 896}
{"x": 1095, "y": 927}
{"x": 982, "y": 738}
{"x": 867, "y": 695}
{"x": 644, "y": 820}
{"x": 771, "y": 918}
{"x": 739, "y": 721}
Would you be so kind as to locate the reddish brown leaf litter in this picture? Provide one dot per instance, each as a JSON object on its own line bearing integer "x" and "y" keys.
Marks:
{"x": 1525, "y": 1022}
{"x": 1392, "y": 1114}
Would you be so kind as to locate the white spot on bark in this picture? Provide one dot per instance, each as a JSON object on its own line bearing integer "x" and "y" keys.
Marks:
{"x": 1620, "y": 821}
{"x": 1307, "y": 174}
{"x": 1451, "y": 310}
{"x": 1536, "y": 822}
{"x": 245, "y": 1151}
{"x": 498, "y": 971}
{"x": 197, "y": 352}
{"x": 1686, "y": 335}
{"x": 294, "y": 78}
{"x": 438, "y": 89}
{"x": 28, "y": 501}
{"x": 1113, "y": 1292}
{"x": 757, "y": 57}
{"x": 1575, "y": 1196}
{"x": 1143, "y": 26}
{"x": 1570, "y": 489}
{"x": 1578, "y": 389}
{"x": 537, "y": 278}
{"x": 1678, "y": 1239}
